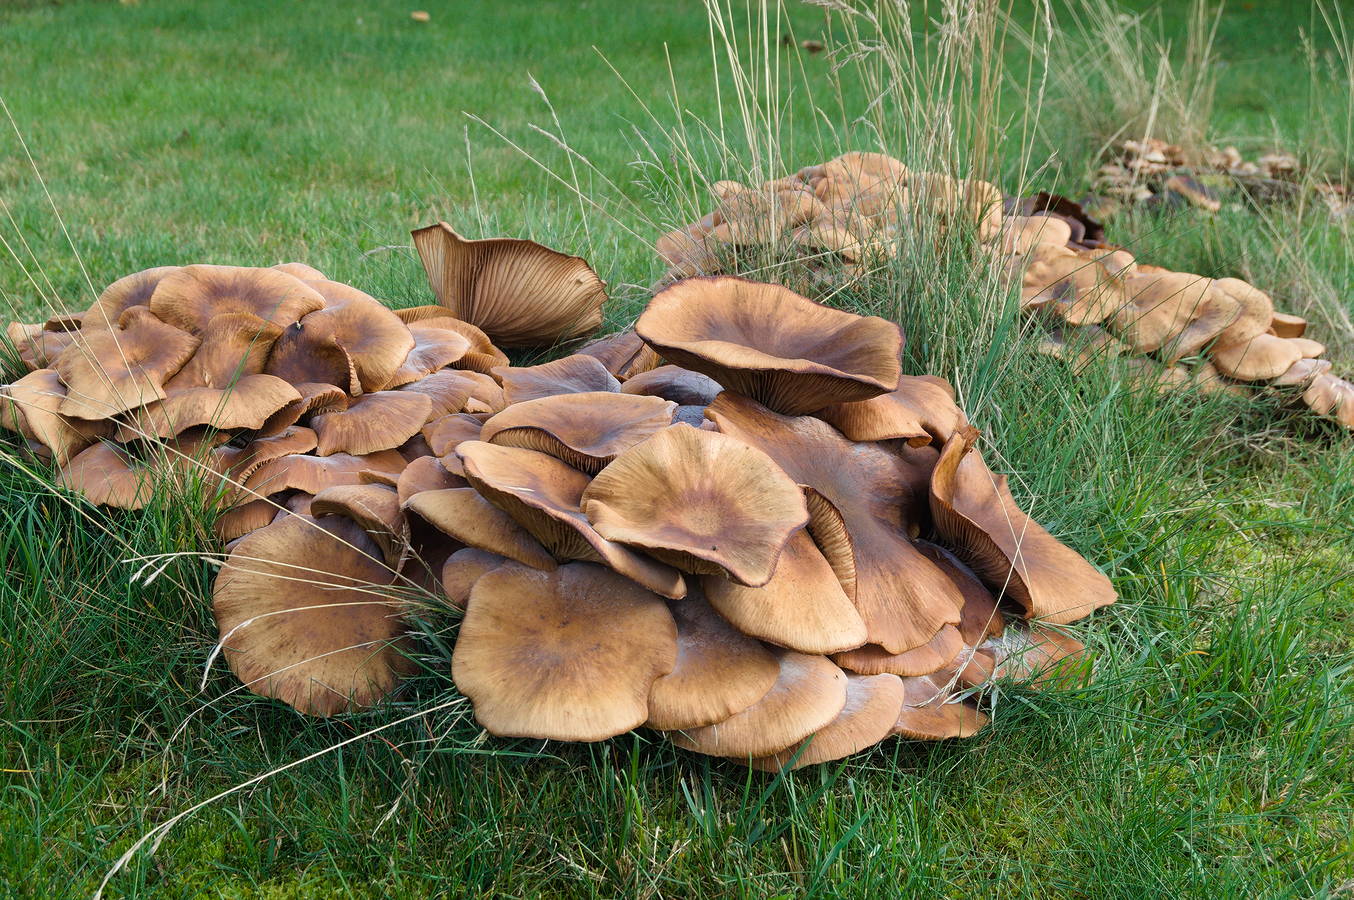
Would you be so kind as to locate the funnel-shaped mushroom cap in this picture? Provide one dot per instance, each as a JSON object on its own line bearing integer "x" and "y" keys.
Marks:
{"x": 1174, "y": 311}
{"x": 920, "y": 412}
{"x": 802, "y": 607}
{"x": 244, "y": 462}
{"x": 978, "y": 518}
{"x": 445, "y": 433}
{"x": 1075, "y": 286}
{"x": 30, "y": 406}
{"x": 808, "y": 694}
{"x": 587, "y": 431}
{"x": 246, "y": 404}
{"x": 372, "y": 422}
{"x": 681, "y": 386}
{"x": 931, "y": 656}
{"x": 542, "y": 495}
{"x": 873, "y": 703}
{"x": 108, "y": 372}
{"x": 930, "y": 714}
{"x": 1257, "y": 310}
{"x": 767, "y": 342}
{"x": 312, "y": 474}
{"x": 1286, "y": 325}
{"x": 463, "y": 514}
{"x": 373, "y": 507}
{"x": 425, "y": 474}
{"x": 191, "y": 296}
{"x": 373, "y": 336}
{"x": 700, "y": 501}
{"x": 107, "y": 477}
{"x": 122, "y": 295}
{"x": 719, "y": 673}
{"x": 1328, "y": 395}
{"x": 435, "y": 347}
{"x": 302, "y": 271}
{"x": 233, "y": 346}
{"x": 1259, "y": 359}
{"x": 902, "y": 596}
{"x": 624, "y": 354}
{"x": 569, "y": 655}
{"x": 575, "y": 374}
{"x": 520, "y": 293}
{"x": 303, "y": 619}
{"x": 462, "y": 569}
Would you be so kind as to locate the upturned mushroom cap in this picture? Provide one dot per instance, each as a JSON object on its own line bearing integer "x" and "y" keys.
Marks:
{"x": 808, "y": 694}
{"x": 575, "y": 374}
{"x": 240, "y": 520}
{"x": 519, "y": 292}
{"x": 374, "y": 338}
{"x": 930, "y": 714}
{"x": 107, "y": 477}
{"x": 1259, "y": 359}
{"x": 979, "y": 520}
{"x": 802, "y": 607}
{"x": 624, "y": 354}
{"x": 768, "y": 343}
{"x": 873, "y": 703}
{"x": 979, "y": 619}
{"x": 931, "y": 656}
{"x": 920, "y": 412}
{"x": 309, "y": 352}
{"x": 234, "y": 345}
{"x": 681, "y": 386}
{"x": 108, "y": 372}
{"x": 449, "y": 390}
{"x": 542, "y": 495}
{"x": 587, "y": 431}
{"x": 312, "y": 474}
{"x": 31, "y": 407}
{"x": 462, "y": 569}
{"x": 372, "y": 422}
{"x": 246, "y": 404}
{"x": 569, "y": 655}
{"x": 700, "y": 501}
{"x": 191, "y": 296}
{"x": 1076, "y": 287}
{"x": 374, "y": 508}
{"x": 719, "y": 672}
{"x": 122, "y": 295}
{"x": 463, "y": 514}
{"x": 303, "y": 619}
{"x": 902, "y": 596}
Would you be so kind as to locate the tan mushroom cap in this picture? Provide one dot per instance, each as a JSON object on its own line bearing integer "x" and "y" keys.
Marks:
{"x": 519, "y": 292}
{"x": 802, "y": 607}
{"x": 448, "y": 389}
{"x": 240, "y": 520}
{"x": 108, "y": 372}
{"x": 768, "y": 343}
{"x": 1021, "y": 234}
{"x": 575, "y": 374}
{"x": 107, "y": 477}
{"x": 623, "y": 354}
{"x": 1310, "y": 349}
{"x": 38, "y": 349}
{"x": 542, "y": 495}
{"x": 234, "y": 345}
{"x": 303, "y": 617}
{"x": 1286, "y": 325}
{"x": 979, "y": 619}
{"x": 1074, "y": 285}
{"x": 1301, "y": 374}
{"x": 31, "y": 407}
{"x": 375, "y": 508}
{"x": 1328, "y": 395}
{"x": 462, "y": 569}
{"x": 131, "y": 290}
{"x": 425, "y": 474}
{"x": 246, "y": 404}
{"x": 873, "y": 703}
{"x": 587, "y": 431}
{"x": 808, "y": 694}
{"x": 1259, "y": 359}
{"x": 920, "y": 412}
{"x": 244, "y": 461}
{"x": 681, "y": 386}
{"x": 1257, "y": 310}
{"x": 302, "y": 271}
{"x": 930, "y": 714}
{"x": 372, "y": 422}
{"x": 903, "y": 597}
{"x": 463, "y": 514}
{"x": 700, "y": 501}
{"x": 1176, "y": 312}
{"x": 719, "y": 672}
{"x": 190, "y": 297}
{"x": 374, "y": 338}
{"x": 312, "y": 474}
{"x": 978, "y": 518}
{"x": 931, "y": 656}
{"x": 445, "y": 433}
{"x": 434, "y": 348}
{"x": 482, "y": 355}
{"x": 569, "y": 655}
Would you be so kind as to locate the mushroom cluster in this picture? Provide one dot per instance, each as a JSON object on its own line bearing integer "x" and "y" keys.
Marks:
{"x": 737, "y": 524}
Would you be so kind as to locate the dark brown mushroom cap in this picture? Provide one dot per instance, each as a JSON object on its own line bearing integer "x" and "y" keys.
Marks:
{"x": 920, "y": 412}
{"x": 375, "y": 508}
{"x": 979, "y": 520}
{"x": 131, "y": 290}
{"x": 309, "y": 352}
{"x": 768, "y": 343}
{"x": 445, "y": 433}
{"x": 31, "y": 407}
{"x": 519, "y": 292}
{"x": 699, "y": 501}
{"x": 108, "y": 372}
{"x": 931, "y": 656}
{"x": 372, "y": 422}
{"x": 374, "y": 338}
{"x": 587, "y": 431}
{"x": 434, "y": 348}
{"x": 463, "y": 514}
{"x": 873, "y": 703}
{"x": 304, "y": 618}
{"x": 719, "y": 672}
{"x": 569, "y": 655}
{"x": 312, "y": 474}
{"x": 902, "y": 596}
{"x": 681, "y": 386}
{"x": 106, "y": 476}
{"x": 575, "y": 374}
{"x": 234, "y": 345}
{"x": 623, "y": 354}
{"x": 247, "y": 404}
{"x": 542, "y": 495}
{"x": 930, "y": 713}
{"x": 808, "y": 694}
{"x": 462, "y": 569}
{"x": 190, "y": 297}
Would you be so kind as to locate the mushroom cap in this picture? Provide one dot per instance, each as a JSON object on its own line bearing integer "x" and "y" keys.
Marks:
{"x": 980, "y": 618}
{"x": 463, "y": 514}
{"x": 482, "y": 355}
{"x": 246, "y": 404}
{"x": 372, "y": 422}
{"x": 234, "y": 345}
{"x": 462, "y": 569}
{"x": 1021, "y": 234}
{"x": 309, "y": 352}
{"x": 929, "y": 713}
{"x": 931, "y": 656}
{"x": 587, "y": 431}
{"x": 312, "y": 474}
{"x": 1039, "y": 654}
{"x": 1077, "y": 287}
{"x": 873, "y": 703}
{"x": 1287, "y": 325}
{"x": 768, "y": 343}
{"x": 425, "y": 474}
{"x": 374, "y": 338}
{"x": 624, "y": 354}
{"x": 38, "y": 349}
{"x": 375, "y": 508}
{"x": 1175, "y": 312}
{"x": 303, "y": 619}
{"x": 519, "y": 292}
{"x": 31, "y": 407}
{"x": 920, "y": 412}
{"x": 1259, "y": 359}
{"x": 245, "y": 461}
{"x": 108, "y": 372}
{"x": 808, "y": 694}
{"x": 542, "y": 495}
{"x": 130, "y": 290}
{"x": 191, "y": 296}
{"x": 1310, "y": 349}
{"x": 681, "y": 386}
{"x": 1257, "y": 310}
{"x": 445, "y": 433}
{"x": 568, "y": 655}
{"x": 575, "y": 374}
{"x": 106, "y": 477}
{"x": 700, "y": 501}
{"x": 903, "y": 597}
{"x": 449, "y": 390}
{"x": 435, "y": 347}
{"x": 1328, "y": 395}
{"x": 240, "y": 520}
{"x": 979, "y": 520}
{"x": 802, "y": 607}
{"x": 719, "y": 671}
{"x": 302, "y": 271}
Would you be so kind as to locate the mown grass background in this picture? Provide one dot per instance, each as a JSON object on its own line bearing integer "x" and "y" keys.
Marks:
{"x": 1211, "y": 757}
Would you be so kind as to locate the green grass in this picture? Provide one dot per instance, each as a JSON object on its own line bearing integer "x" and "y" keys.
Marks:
{"x": 1211, "y": 758}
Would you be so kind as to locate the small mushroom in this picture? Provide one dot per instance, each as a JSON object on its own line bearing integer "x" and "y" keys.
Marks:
{"x": 463, "y": 514}
{"x": 931, "y": 713}
{"x": 131, "y": 290}
{"x": 681, "y": 386}
{"x": 444, "y": 434}
{"x": 462, "y": 569}
{"x": 31, "y": 407}
{"x": 1258, "y": 359}
{"x": 920, "y": 411}
{"x": 425, "y": 474}
{"x": 434, "y": 348}
{"x": 623, "y": 354}
{"x": 312, "y": 474}
{"x": 931, "y": 656}
{"x": 374, "y": 338}
{"x": 106, "y": 476}
{"x": 234, "y": 346}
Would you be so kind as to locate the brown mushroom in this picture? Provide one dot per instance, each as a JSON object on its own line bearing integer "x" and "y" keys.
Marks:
{"x": 462, "y": 569}
{"x": 246, "y": 404}
{"x": 425, "y": 474}
{"x": 1258, "y": 359}
{"x": 122, "y": 295}
{"x": 931, "y": 712}
{"x": 188, "y": 298}
{"x": 445, "y": 433}
{"x": 372, "y": 422}
{"x": 31, "y": 407}
{"x": 106, "y": 476}
{"x": 587, "y": 430}
{"x": 569, "y": 375}
{"x": 374, "y": 508}
{"x": 623, "y": 354}
{"x": 234, "y": 345}
{"x": 681, "y": 386}
{"x": 920, "y": 411}
{"x": 309, "y": 352}
{"x": 932, "y": 656}
{"x": 434, "y": 348}
{"x": 374, "y": 338}
{"x": 873, "y": 703}
{"x": 108, "y": 372}
{"x": 463, "y": 514}
{"x": 312, "y": 474}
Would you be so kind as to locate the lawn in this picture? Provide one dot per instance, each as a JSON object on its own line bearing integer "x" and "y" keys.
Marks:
{"x": 1213, "y": 756}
